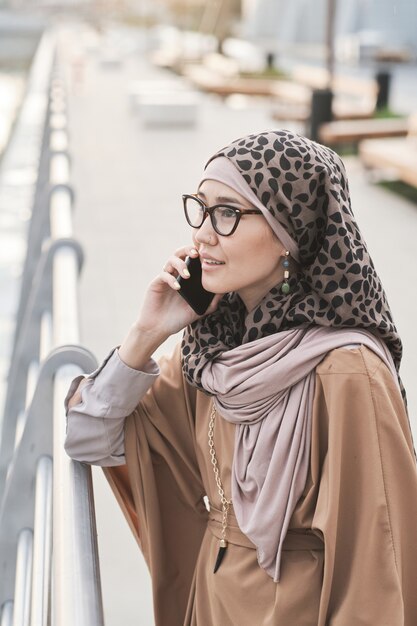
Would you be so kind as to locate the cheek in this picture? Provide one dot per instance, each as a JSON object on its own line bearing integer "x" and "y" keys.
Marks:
{"x": 262, "y": 261}
{"x": 261, "y": 253}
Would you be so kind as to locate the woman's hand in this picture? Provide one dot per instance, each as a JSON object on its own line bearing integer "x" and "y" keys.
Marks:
{"x": 163, "y": 312}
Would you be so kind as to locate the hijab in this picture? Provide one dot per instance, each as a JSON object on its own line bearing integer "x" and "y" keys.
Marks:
{"x": 303, "y": 186}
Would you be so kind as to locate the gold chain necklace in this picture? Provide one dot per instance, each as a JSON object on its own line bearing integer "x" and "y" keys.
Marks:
{"x": 224, "y": 501}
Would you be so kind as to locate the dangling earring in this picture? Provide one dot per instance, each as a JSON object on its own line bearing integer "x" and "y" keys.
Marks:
{"x": 285, "y": 287}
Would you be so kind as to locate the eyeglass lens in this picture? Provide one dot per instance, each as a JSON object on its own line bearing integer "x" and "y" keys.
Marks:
{"x": 223, "y": 218}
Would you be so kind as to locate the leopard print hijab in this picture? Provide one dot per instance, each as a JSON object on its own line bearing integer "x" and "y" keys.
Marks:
{"x": 303, "y": 186}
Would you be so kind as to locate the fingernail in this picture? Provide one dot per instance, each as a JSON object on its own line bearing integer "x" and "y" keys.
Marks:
{"x": 177, "y": 285}
{"x": 193, "y": 251}
{"x": 185, "y": 272}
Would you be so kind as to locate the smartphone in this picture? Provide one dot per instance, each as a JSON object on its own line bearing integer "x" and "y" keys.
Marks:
{"x": 192, "y": 290}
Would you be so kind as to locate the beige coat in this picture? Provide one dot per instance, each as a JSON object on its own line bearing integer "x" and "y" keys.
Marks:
{"x": 350, "y": 557}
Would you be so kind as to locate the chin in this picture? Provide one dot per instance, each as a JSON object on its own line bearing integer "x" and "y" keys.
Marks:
{"x": 216, "y": 285}
{"x": 213, "y": 284}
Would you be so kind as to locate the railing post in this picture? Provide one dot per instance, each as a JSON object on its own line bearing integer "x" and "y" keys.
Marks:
{"x": 23, "y": 578}
{"x": 76, "y": 579}
{"x": 7, "y": 614}
{"x": 42, "y": 547}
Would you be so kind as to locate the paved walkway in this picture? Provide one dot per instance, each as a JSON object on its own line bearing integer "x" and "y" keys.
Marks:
{"x": 128, "y": 181}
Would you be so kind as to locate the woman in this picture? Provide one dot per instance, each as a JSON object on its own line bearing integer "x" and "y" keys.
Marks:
{"x": 282, "y": 405}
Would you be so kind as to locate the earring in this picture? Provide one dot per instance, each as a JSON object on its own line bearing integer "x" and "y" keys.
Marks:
{"x": 285, "y": 287}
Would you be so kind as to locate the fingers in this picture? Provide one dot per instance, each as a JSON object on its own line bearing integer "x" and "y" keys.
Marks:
{"x": 176, "y": 264}
{"x": 169, "y": 279}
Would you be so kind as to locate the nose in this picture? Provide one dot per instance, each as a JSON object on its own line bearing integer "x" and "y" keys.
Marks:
{"x": 206, "y": 233}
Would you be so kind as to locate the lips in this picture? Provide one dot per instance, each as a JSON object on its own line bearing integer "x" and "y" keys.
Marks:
{"x": 207, "y": 257}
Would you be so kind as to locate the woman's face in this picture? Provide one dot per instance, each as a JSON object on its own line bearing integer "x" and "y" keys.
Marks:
{"x": 251, "y": 257}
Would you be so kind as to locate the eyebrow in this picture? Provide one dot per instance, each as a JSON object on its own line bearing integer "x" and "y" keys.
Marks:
{"x": 225, "y": 199}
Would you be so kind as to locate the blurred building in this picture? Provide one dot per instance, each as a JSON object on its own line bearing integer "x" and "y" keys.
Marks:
{"x": 360, "y": 24}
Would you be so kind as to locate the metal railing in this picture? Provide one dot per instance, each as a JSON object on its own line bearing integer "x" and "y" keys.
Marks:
{"x": 46, "y": 498}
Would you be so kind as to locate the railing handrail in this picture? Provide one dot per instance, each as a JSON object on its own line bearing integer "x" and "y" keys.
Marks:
{"x": 46, "y": 498}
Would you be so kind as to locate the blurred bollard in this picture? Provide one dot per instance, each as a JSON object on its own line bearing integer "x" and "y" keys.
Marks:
{"x": 383, "y": 81}
{"x": 321, "y": 110}
{"x": 270, "y": 60}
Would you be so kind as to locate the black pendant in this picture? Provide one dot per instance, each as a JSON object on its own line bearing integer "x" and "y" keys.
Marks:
{"x": 220, "y": 556}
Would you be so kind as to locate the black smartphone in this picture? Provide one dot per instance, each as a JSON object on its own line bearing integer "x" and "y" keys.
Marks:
{"x": 192, "y": 290}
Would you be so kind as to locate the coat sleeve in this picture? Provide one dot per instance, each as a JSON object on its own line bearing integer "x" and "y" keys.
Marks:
{"x": 99, "y": 405}
{"x": 367, "y": 496}
{"x": 160, "y": 489}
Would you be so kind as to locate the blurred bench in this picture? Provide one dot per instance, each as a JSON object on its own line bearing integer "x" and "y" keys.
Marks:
{"x": 220, "y": 75}
{"x": 354, "y": 98}
{"x": 170, "y": 109}
{"x": 144, "y": 86}
{"x": 164, "y": 102}
{"x": 394, "y": 158}
{"x": 353, "y": 131}
{"x": 318, "y": 78}
{"x": 208, "y": 81}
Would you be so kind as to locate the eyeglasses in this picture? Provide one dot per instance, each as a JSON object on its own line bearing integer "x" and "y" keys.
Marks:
{"x": 224, "y": 218}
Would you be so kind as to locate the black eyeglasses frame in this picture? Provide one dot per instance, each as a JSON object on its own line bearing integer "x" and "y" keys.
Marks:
{"x": 208, "y": 210}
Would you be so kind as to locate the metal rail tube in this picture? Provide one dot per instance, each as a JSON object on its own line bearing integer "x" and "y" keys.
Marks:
{"x": 45, "y": 341}
{"x": 76, "y": 575}
{"x": 32, "y": 377}
{"x": 59, "y": 169}
{"x": 42, "y": 546}
{"x": 58, "y": 140}
{"x": 23, "y": 578}
{"x": 58, "y": 121}
{"x": 58, "y": 105}
{"x": 20, "y": 427}
{"x": 65, "y": 273}
{"x": 7, "y": 614}
{"x": 60, "y": 213}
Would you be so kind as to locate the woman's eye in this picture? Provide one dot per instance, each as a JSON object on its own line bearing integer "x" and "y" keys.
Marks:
{"x": 226, "y": 212}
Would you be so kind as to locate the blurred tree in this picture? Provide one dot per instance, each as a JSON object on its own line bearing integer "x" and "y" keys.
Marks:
{"x": 330, "y": 38}
{"x": 219, "y": 17}
{"x": 187, "y": 13}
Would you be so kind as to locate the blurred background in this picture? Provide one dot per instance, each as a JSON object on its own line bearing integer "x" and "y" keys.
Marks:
{"x": 135, "y": 97}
